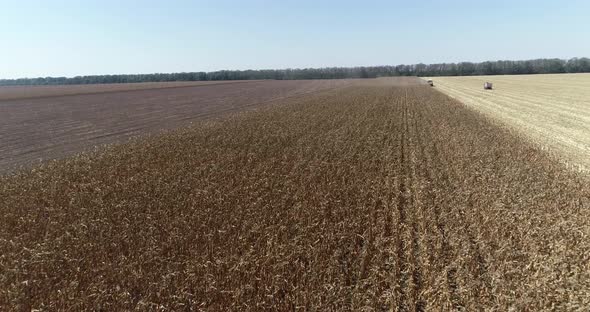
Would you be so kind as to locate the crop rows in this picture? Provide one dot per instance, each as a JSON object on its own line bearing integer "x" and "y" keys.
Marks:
{"x": 385, "y": 196}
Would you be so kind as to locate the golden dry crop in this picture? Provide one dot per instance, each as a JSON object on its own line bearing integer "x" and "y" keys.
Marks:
{"x": 553, "y": 110}
{"x": 382, "y": 196}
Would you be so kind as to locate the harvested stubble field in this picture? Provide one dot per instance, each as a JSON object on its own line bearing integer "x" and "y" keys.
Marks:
{"x": 552, "y": 110}
{"x": 371, "y": 197}
{"x": 53, "y": 125}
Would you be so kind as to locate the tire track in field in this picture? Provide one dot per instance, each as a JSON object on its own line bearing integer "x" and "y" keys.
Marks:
{"x": 408, "y": 254}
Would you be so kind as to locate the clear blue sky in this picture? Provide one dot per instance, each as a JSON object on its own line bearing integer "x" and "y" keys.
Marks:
{"x": 68, "y": 38}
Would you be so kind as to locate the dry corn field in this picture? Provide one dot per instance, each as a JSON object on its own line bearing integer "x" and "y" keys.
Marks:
{"x": 380, "y": 196}
{"x": 552, "y": 110}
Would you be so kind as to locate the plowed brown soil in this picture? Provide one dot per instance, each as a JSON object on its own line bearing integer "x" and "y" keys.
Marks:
{"x": 54, "y": 126}
{"x": 28, "y": 92}
{"x": 386, "y": 196}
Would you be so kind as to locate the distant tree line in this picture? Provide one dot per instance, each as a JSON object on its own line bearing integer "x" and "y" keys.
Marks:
{"x": 538, "y": 66}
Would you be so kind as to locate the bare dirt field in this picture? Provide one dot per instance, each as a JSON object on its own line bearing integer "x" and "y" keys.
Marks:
{"x": 25, "y": 92}
{"x": 34, "y": 129}
{"x": 552, "y": 110}
{"x": 384, "y": 196}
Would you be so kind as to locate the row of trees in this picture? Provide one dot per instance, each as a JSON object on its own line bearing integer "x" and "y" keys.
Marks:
{"x": 538, "y": 66}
